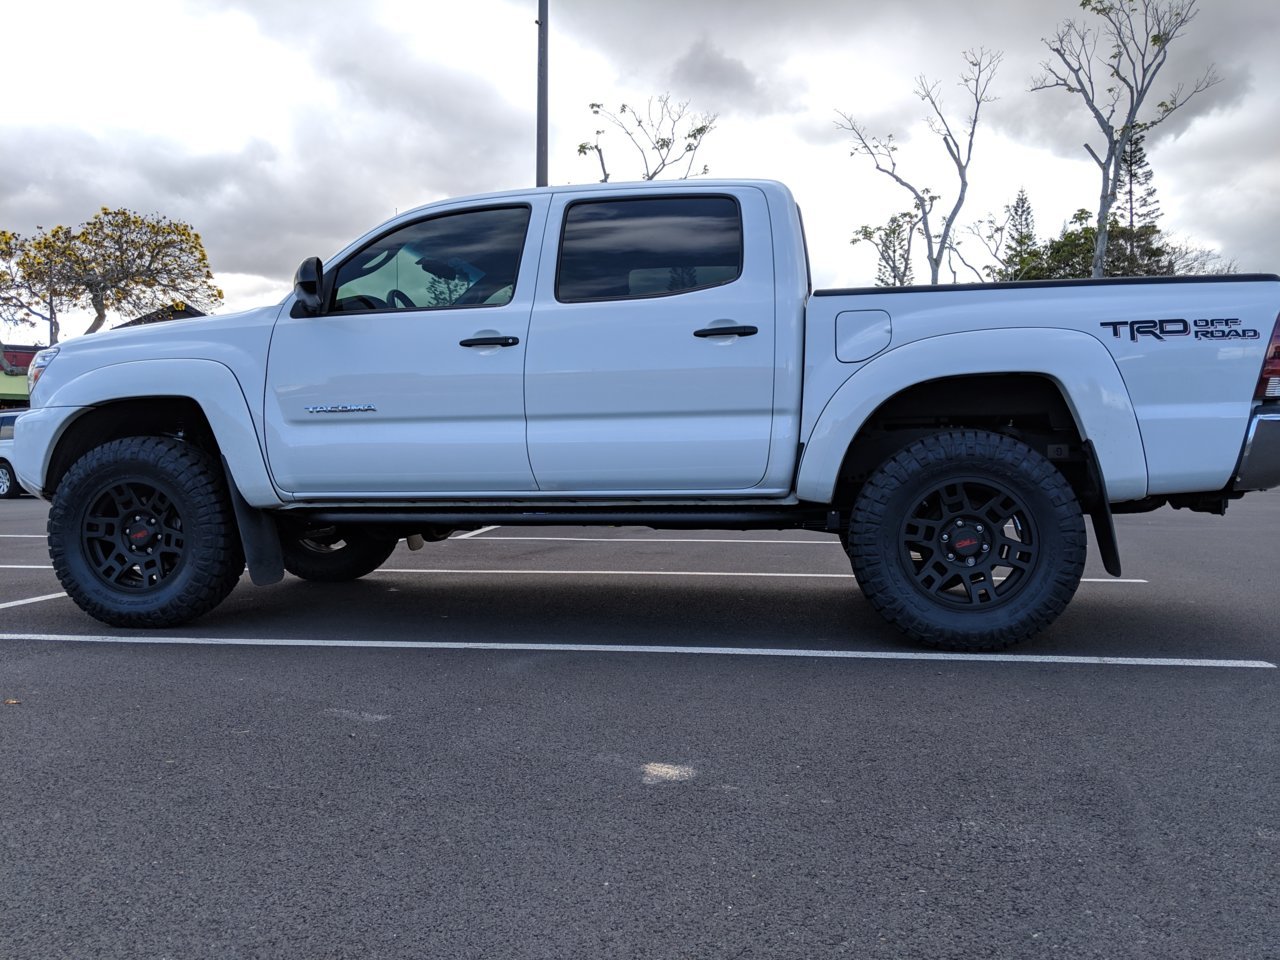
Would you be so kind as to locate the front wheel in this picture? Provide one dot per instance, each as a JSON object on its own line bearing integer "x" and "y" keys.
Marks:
{"x": 967, "y": 540}
{"x": 142, "y": 534}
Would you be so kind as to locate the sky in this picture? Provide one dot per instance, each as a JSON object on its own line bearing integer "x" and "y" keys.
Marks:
{"x": 282, "y": 129}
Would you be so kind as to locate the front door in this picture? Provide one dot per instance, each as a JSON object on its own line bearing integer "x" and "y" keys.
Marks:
{"x": 411, "y": 381}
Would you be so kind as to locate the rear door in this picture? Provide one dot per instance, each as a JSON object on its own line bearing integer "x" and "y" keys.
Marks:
{"x": 651, "y": 353}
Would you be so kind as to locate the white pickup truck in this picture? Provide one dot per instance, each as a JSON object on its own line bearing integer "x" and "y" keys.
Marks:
{"x": 649, "y": 354}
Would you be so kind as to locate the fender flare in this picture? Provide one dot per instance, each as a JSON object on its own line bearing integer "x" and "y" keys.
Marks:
{"x": 1077, "y": 363}
{"x": 210, "y": 384}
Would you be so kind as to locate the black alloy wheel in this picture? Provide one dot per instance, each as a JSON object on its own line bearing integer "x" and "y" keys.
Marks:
{"x": 967, "y": 540}
{"x": 142, "y": 534}
{"x": 132, "y": 537}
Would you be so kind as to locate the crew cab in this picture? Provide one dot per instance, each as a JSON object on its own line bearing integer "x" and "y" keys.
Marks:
{"x": 649, "y": 354}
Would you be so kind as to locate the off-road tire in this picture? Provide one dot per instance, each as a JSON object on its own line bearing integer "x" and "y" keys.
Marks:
{"x": 137, "y": 494}
{"x": 336, "y": 558}
{"x": 9, "y": 487}
{"x": 1022, "y": 553}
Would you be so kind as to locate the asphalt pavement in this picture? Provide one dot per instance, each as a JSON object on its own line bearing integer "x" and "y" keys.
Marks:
{"x": 694, "y": 744}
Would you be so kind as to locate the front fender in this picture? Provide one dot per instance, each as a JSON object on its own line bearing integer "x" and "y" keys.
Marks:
{"x": 209, "y": 383}
{"x": 1080, "y": 366}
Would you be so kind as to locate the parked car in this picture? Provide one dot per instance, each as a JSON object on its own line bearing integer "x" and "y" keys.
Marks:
{"x": 9, "y": 486}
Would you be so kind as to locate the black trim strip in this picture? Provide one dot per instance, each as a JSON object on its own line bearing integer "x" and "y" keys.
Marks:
{"x": 737, "y": 518}
{"x": 1034, "y": 284}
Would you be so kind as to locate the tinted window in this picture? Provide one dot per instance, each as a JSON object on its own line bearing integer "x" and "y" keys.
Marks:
{"x": 6, "y": 427}
{"x": 459, "y": 259}
{"x": 612, "y": 249}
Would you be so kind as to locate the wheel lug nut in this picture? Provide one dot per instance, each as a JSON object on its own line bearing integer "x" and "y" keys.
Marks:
{"x": 967, "y": 563}
{"x": 959, "y": 523}
{"x": 951, "y": 556}
{"x": 946, "y": 537}
{"x": 978, "y": 527}
{"x": 148, "y": 549}
{"x": 985, "y": 548}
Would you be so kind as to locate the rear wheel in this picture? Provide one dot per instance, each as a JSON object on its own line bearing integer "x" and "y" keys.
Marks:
{"x": 142, "y": 534}
{"x": 967, "y": 540}
{"x": 333, "y": 555}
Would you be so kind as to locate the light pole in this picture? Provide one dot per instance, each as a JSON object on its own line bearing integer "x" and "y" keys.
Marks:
{"x": 542, "y": 93}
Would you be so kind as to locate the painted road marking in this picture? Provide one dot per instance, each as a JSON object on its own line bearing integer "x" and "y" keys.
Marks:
{"x": 622, "y": 648}
{"x": 22, "y": 536}
{"x": 669, "y": 573}
{"x": 474, "y": 533}
{"x": 604, "y": 573}
{"x": 19, "y": 603}
{"x": 829, "y": 542}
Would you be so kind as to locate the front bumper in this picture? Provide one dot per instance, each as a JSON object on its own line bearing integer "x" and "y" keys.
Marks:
{"x": 1260, "y": 460}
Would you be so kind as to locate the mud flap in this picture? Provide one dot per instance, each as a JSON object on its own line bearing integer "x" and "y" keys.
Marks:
{"x": 1104, "y": 528}
{"x": 258, "y": 535}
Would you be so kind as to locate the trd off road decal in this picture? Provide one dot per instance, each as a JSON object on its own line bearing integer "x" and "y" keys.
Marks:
{"x": 1215, "y": 328}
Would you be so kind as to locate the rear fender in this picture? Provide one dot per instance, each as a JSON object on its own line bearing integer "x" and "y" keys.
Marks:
{"x": 1076, "y": 362}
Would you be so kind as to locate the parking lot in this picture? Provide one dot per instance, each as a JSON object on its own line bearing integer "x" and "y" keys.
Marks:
{"x": 582, "y": 742}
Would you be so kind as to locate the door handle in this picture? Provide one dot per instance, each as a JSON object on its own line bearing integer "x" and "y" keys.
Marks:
{"x": 489, "y": 342}
{"x": 742, "y": 330}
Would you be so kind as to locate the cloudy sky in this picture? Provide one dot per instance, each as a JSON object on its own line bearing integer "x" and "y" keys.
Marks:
{"x": 282, "y": 129}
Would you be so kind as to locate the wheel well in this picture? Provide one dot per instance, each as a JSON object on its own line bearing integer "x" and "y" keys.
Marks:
{"x": 178, "y": 417}
{"x": 1028, "y": 407}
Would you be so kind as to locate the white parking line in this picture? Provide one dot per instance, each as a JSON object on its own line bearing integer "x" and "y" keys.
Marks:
{"x": 19, "y": 603}
{"x": 1013, "y": 658}
{"x": 808, "y": 543}
{"x": 605, "y": 573}
{"x": 22, "y": 536}
{"x": 668, "y": 573}
{"x": 474, "y": 533}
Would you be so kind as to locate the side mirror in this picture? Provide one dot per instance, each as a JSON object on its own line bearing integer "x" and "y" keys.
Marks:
{"x": 307, "y": 283}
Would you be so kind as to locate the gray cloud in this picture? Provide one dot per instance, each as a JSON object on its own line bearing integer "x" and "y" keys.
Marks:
{"x": 726, "y": 84}
{"x": 410, "y": 131}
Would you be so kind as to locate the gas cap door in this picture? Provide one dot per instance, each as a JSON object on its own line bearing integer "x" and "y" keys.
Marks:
{"x": 861, "y": 334}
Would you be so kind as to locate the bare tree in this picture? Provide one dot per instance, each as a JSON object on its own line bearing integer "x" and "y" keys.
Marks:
{"x": 1115, "y": 84}
{"x": 981, "y": 65}
{"x": 665, "y": 136}
{"x": 1184, "y": 258}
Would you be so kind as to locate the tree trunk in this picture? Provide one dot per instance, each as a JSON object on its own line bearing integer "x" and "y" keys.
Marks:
{"x": 1105, "y": 201}
{"x": 99, "y": 313}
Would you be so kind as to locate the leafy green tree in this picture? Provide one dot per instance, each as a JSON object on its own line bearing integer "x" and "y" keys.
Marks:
{"x": 1069, "y": 256}
{"x": 1022, "y": 256}
{"x": 1010, "y": 241}
{"x": 665, "y": 136}
{"x": 892, "y": 243}
{"x": 1138, "y": 247}
{"x": 117, "y": 261}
